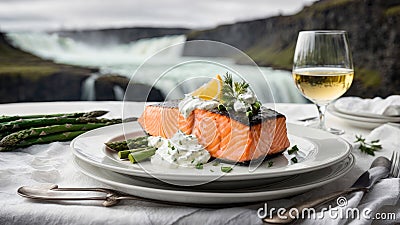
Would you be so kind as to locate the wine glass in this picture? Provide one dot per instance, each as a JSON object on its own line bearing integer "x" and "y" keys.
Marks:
{"x": 323, "y": 68}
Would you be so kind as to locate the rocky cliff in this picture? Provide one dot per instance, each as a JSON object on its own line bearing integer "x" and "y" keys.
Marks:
{"x": 374, "y": 33}
{"x": 104, "y": 88}
{"x": 26, "y": 78}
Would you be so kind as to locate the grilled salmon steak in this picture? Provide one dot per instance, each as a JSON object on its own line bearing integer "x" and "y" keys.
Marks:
{"x": 227, "y": 137}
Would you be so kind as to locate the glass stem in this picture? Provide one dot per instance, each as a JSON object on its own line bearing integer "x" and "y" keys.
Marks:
{"x": 321, "y": 112}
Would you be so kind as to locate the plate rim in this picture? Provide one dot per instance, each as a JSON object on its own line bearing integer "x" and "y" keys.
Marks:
{"x": 356, "y": 122}
{"x": 366, "y": 116}
{"x": 297, "y": 188}
{"x": 227, "y": 176}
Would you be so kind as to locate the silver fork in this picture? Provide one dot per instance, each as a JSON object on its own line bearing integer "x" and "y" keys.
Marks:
{"x": 395, "y": 167}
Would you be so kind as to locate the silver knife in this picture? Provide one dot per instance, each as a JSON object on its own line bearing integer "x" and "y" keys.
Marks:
{"x": 379, "y": 169}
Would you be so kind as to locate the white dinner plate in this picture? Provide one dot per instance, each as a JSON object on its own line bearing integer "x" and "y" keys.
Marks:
{"x": 366, "y": 115}
{"x": 318, "y": 149}
{"x": 359, "y": 121}
{"x": 160, "y": 191}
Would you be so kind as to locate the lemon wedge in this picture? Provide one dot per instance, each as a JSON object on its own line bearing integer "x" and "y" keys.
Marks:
{"x": 210, "y": 90}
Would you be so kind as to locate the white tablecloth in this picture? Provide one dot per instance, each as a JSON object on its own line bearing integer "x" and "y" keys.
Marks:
{"x": 52, "y": 163}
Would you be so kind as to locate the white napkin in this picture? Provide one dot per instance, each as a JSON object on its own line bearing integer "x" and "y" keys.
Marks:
{"x": 388, "y": 107}
{"x": 383, "y": 197}
{"x": 383, "y": 194}
{"x": 388, "y": 135}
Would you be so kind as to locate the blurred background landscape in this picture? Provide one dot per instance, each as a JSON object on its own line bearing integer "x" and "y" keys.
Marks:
{"x": 89, "y": 50}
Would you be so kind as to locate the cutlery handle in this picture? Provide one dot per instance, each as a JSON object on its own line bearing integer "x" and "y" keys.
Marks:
{"x": 286, "y": 218}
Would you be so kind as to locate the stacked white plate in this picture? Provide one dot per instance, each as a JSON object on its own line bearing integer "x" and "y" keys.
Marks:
{"x": 322, "y": 158}
{"x": 362, "y": 119}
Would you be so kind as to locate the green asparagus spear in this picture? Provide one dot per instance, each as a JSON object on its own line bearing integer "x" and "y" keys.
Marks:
{"x": 94, "y": 114}
{"x": 3, "y": 134}
{"x": 15, "y": 138}
{"x": 39, "y": 122}
{"x": 69, "y": 115}
{"x": 66, "y": 136}
{"x": 141, "y": 155}
{"x": 124, "y": 154}
{"x": 139, "y": 142}
{"x": 117, "y": 145}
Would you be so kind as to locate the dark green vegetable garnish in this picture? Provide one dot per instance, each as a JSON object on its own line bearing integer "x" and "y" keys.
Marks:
{"x": 199, "y": 166}
{"x": 226, "y": 169}
{"x": 221, "y": 107}
{"x": 368, "y": 148}
{"x": 294, "y": 149}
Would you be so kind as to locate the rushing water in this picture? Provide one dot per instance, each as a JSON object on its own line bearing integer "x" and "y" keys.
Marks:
{"x": 125, "y": 59}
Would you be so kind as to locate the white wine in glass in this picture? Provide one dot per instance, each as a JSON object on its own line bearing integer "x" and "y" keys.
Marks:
{"x": 323, "y": 68}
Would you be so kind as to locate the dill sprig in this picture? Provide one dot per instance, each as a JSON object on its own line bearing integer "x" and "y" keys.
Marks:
{"x": 230, "y": 92}
{"x": 228, "y": 95}
{"x": 228, "y": 80}
{"x": 240, "y": 87}
{"x": 368, "y": 148}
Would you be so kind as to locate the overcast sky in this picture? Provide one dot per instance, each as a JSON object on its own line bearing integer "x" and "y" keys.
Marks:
{"x": 79, "y": 14}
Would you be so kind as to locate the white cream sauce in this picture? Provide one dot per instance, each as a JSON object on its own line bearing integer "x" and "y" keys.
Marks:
{"x": 180, "y": 151}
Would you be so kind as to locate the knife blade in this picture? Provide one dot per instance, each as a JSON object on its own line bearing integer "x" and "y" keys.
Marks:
{"x": 379, "y": 169}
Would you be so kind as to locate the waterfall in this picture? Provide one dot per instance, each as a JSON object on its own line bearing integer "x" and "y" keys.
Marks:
{"x": 89, "y": 89}
{"x": 124, "y": 59}
{"x": 113, "y": 58}
{"x": 118, "y": 93}
{"x": 66, "y": 50}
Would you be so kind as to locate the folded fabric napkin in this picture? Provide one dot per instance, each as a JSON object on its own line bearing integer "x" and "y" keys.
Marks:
{"x": 382, "y": 198}
{"x": 388, "y": 107}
